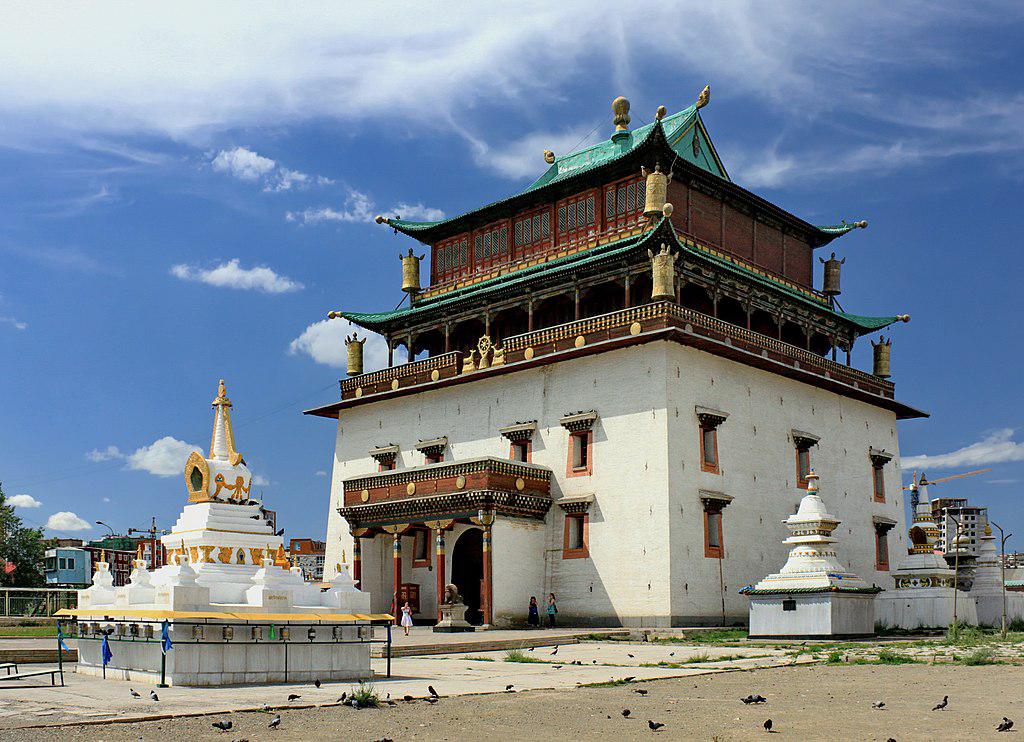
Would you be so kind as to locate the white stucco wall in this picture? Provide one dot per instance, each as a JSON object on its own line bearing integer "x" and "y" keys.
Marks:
{"x": 647, "y": 564}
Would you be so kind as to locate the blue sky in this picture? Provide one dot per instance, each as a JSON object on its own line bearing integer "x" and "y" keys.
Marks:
{"x": 185, "y": 193}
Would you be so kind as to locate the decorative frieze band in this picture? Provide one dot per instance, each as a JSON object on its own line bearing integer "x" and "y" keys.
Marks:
{"x": 710, "y": 418}
{"x": 879, "y": 457}
{"x": 576, "y": 503}
{"x": 448, "y": 469}
{"x": 803, "y": 439}
{"x": 577, "y": 421}
{"x": 520, "y": 431}
{"x": 385, "y": 454}
{"x": 432, "y": 447}
{"x": 453, "y": 505}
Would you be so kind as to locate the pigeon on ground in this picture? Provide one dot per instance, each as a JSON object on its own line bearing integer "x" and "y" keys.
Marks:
{"x": 629, "y": 679}
{"x": 671, "y": 654}
{"x": 641, "y": 691}
{"x": 275, "y": 722}
{"x": 941, "y": 704}
{"x": 555, "y": 651}
{"x": 509, "y": 687}
{"x": 293, "y": 697}
{"x": 266, "y": 707}
{"x": 135, "y": 693}
{"x": 407, "y": 697}
{"x": 432, "y": 699}
{"x": 433, "y": 692}
{"x": 878, "y": 705}
{"x": 758, "y": 698}
{"x": 317, "y": 682}
{"x": 343, "y": 697}
{"x": 630, "y": 656}
{"x": 1005, "y": 726}
{"x": 768, "y": 725}
{"x": 556, "y": 667}
{"x": 222, "y": 725}
{"x": 626, "y": 713}
{"x": 654, "y": 725}
{"x": 353, "y": 702}
{"x": 153, "y": 696}
{"x": 594, "y": 661}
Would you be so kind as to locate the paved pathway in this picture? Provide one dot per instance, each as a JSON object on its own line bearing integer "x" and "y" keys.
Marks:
{"x": 87, "y": 699}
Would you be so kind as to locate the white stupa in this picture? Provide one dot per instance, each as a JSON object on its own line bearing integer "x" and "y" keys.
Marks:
{"x": 923, "y": 595}
{"x": 813, "y": 595}
{"x": 237, "y": 612}
{"x": 987, "y": 589}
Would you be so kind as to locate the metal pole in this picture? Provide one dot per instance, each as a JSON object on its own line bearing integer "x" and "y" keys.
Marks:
{"x": 956, "y": 565}
{"x": 60, "y": 656}
{"x": 1002, "y": 571}
{"x": 163, "y": 667}
{"x": 389, "y": 649}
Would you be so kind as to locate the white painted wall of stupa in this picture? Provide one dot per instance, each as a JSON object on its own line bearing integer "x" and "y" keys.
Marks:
{"x": 647, "y": 563}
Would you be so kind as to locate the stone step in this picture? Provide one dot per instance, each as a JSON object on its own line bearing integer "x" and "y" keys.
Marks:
{"x": 480, "y": 643}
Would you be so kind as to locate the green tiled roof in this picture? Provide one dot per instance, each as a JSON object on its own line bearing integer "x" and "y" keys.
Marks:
{"x": 377, "y": 320}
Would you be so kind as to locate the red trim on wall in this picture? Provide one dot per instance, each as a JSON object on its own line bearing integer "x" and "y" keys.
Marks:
{"x": 581, "y": 553}
{"x": 714, "y": 552}
{"x": 882, "y": 550}
{"x": 714, "y": 468}
{"x": 801, "y": 478}
{"x": 529, "y": 450}
{"x": 581, "y": 471}
{"x": 878, "y": 482}
{"x": 418, "y": 533}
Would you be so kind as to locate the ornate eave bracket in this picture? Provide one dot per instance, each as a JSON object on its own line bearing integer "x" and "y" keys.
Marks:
{"x": 432, "y": 447}
{"x": 803, "y": 439}
{"x": 578, "y": 421}
{"x": 384, "y": 454}
{"x": 710, "y": 418}
{"x": 520, "y": 431}
{"x": 576, "y": 504}
{"x": 879, "y": 457}
{"x": 714, "y": 501}
{"x": 883, "y": 524}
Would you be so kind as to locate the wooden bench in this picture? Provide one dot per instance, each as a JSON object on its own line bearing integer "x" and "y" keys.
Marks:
{"x": 36, "y": 673}
{"x": 9, "y": 666}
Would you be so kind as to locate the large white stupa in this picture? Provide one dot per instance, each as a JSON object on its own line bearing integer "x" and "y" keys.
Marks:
{"x": 235, "y": 610}
{"x": 813, "y": 595}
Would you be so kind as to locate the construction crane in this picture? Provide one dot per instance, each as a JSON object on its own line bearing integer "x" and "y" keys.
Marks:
{"x": 925, "y": 482}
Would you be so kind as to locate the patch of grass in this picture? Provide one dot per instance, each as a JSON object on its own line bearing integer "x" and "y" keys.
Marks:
{"x": 834, "y": 658}
{"x": 888, "y": 657}
{"x": 699, "y": 658}
{"x": 479, "y": 659}
{"x": 365, "y": 696}
{"x": 962, "y": 635}
{"x": 606, "y": 683}
{"x": 1016, "y": 625}
{"x": 19, "y": 632}
{"x": 714, "y": 636}
{"x": 518, "y": 655}
{"x": 981, "y": 656}
{"x": 596, "y": 637}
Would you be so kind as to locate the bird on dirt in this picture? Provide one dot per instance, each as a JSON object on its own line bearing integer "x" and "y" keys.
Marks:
{"x": 317, "y": 682}
{"x": 554, "y": 651}
{"x": 509, "y": 687}
{"x": 556, "y": 667}
{"x": 641, "y": 691}
{"x": 432, "y": 699}
{"x": 293, "y": 697}
{"x": 343, "y": 697}
{"x": 431, "y": 690}
{"x": 407, "y": 697}
{"x": 153, "y": 696}
{"x": 266, "y": 707}
{"x": 626, "y": 713}
{"x": 223, "y": 726}
{"x": 878, "y": 705}
{"x": 531, "y": 649}
{"x": 941, "y": 704}
{"x": 275, "y": 722}
{"x": 135, "y": 693}
{"x": 353, "y": 702}
{"x": 594, "y": 661}
{"x": 630, "y": 656}
{"x": 1005, "y": 725}
{"x": 654, "y": 725}
{"x": 671, "y": 654}
{"x": 768, "y": 725}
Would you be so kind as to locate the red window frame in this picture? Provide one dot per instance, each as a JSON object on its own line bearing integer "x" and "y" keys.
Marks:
{"x": 450, "y": 258}
{"x": 387, "y": 464}
{"x": 578, "y": 217}
{"x": 881, "y": 549}
{"x": 434, "y": 458}
{"x": 712, "y": 465}
{"x": 527, "y": 447}
{"x": 583, "y": 551}
{"x": 420, "y": 535}
{"x": 532, "y": 232}
{"x": 802, "y": 452}
{"x": 627, "y": 196}
{"x": 713, "y": 525}
{"x": 878, "y": 481}
{"x": 584, "y": 438}
{"x": 491, "y": 245}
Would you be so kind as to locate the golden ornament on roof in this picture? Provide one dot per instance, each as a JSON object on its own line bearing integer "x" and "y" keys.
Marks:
{"x": 660, "y": 113}
{"x": 549, "y": 157}
{"x": 705, "y": 97}
{"x": 620, "y": 107}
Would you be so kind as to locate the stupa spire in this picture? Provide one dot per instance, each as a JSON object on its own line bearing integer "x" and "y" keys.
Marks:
{"x": 222, "y": 442}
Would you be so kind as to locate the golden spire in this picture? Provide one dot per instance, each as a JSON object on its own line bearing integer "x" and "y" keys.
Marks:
{"x": 705, "y": 97}
{"x": 222, "y": 442}
{"x": 620, "y": 107}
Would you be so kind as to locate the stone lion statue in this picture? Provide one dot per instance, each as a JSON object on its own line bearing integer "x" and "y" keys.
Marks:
{"x": 451, "y": 595}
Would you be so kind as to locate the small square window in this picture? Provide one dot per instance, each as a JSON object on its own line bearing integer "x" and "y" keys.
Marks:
{"x": 713, "y": 547}
{"x": 580, "y": 455}
{"x": 434, "y": 457}
{"x": 520, "y": 451}
{"x": 789, "y": 604}
{"x": 709, "y": 449}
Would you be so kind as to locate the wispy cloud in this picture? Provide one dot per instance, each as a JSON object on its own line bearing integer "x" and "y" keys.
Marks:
{"x": 232, "y": 275}
{"x": 108, "y": 453}
{"x": 245, "y": 164}
{"x": 66, "y": 521}
{"x": 164, "y": 457}
{"x": 524, "y": 157}
{"x": 13, "y": 322}
{"x": 69, "y": 259}
{"x": 360, "y": 208}
{"x": 321, "y": 473}
{"x": 324, "y": 342}
{"x": 23, "y": 501}
{"x": 996, "y": 448}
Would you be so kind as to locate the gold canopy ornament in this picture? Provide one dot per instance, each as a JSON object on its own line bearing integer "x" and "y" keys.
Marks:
{"x": 620, "y": 107}
{"x": 704, "y": 98}
{"x": 224, "y": 444}
{"x": 549, "y": 157}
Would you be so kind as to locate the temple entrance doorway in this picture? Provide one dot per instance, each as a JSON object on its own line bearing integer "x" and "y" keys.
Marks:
{"x": 468, "y": 571}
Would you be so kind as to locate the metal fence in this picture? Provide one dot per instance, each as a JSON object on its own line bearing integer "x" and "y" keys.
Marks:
{"x": 35, "y": 602}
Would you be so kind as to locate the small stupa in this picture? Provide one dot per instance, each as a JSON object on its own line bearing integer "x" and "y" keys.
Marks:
{"x": 236, "y": 610}
{"x": 923, "y": 594}
{"x": 813, "y": 595}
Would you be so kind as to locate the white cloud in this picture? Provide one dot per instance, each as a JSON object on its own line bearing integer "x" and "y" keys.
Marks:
{"x": 106, "y": 499}
{"x": 359, "y": 207}
{"x": 23, "y": 501}
{"x": 231, "y": 275}
{"x": 164, "y": 457}
{"x": 524, "y": 158}
{"x": 321, "y": 473}
{"x": 324, "y": 342}
{"x": 108, "y": 453}
{"x": 259, "y": 480}
{"x": 996, "y": 448}
{"x": 14, "y": 322}
{"x": 242, "y": 163}
{"x": 66, "y": 521}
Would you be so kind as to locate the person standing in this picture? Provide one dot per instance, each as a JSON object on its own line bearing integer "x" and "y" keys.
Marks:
{"x": 406, "y": 618}
{"x": 533, "y": 619}
{"x": 552, "y": 610}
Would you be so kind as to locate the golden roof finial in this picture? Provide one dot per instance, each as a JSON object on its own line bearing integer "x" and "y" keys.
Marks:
{"x": 222, "y": 442}
{"x": 704, "y": 98}
{"x": 549, "y": 157}
{"x": 660, "y": 113}
{"x": 620, "y": 107}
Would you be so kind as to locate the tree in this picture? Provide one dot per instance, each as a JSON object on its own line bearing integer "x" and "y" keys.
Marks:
{"x": 21, "y": 549}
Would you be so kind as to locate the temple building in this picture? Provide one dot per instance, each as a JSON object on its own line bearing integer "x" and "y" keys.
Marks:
{"x": 612, "y": 389}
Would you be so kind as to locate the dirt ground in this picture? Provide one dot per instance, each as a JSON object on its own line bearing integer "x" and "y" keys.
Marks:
{"x": 813, "y": 702}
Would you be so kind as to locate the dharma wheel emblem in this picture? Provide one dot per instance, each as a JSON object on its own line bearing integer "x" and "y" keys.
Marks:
{"x": 484, "y": 345}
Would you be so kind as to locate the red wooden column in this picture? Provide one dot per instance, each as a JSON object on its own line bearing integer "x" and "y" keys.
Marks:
{"x": 439, "y": 567}
{"x": 357, "y": 561}
{"x": 488, "y": 591}
{"x": 397, "y": 558}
